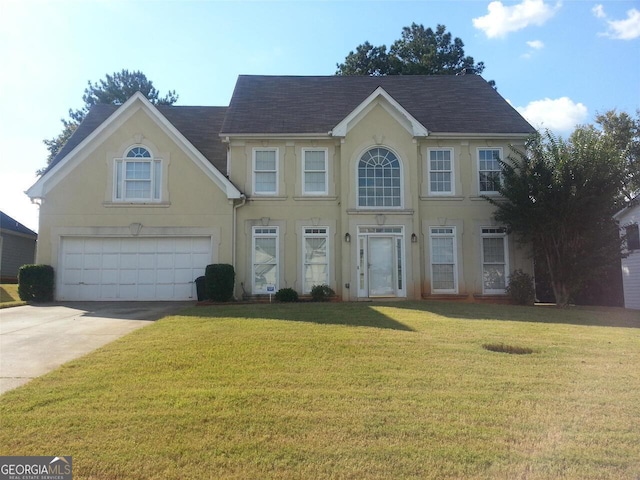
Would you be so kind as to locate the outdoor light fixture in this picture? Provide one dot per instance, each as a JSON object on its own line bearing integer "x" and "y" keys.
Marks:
{"x": 414, "y": 238}
{"x": 347, "y": 237}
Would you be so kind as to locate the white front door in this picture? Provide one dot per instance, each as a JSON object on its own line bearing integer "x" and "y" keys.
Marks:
{"x": 382, "y": 277}
{"x": 381, "y": 262}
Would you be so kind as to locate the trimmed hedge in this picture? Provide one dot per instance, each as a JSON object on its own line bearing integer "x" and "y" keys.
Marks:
{"x": 35, "y": 283}
{"x": 286, "y": 295}
{"x": 321, "y": 293}
{"x": 219, "y": 282}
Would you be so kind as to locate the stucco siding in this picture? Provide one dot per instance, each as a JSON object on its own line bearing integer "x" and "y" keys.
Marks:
{"x": 82, "y": 202}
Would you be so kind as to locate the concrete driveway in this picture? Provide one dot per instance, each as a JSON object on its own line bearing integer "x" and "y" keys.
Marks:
{"x": 37, "y": 339}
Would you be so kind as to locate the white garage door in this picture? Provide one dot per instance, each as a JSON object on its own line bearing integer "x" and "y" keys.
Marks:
{"x": 132, "y": 268}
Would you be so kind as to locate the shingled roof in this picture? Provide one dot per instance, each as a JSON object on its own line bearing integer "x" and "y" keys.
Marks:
{"x": 464, "y": 104}
{"x": 9, "y": 224}
{"x": 314, "y": 105}
{"x": 200, "y": 125}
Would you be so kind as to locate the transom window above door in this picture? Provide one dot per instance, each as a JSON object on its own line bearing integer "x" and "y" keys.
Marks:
{"x": 137, "y": 176}
{"x": 379, "y": 179}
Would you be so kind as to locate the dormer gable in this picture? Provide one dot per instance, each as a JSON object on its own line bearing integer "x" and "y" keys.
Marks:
{"x": 380, "y": 97}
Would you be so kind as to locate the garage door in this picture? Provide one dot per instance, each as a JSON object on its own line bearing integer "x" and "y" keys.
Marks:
{"x": 138, "y": 268}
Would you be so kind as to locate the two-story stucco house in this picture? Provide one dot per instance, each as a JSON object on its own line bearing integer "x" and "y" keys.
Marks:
{"x": 371, "y": 185}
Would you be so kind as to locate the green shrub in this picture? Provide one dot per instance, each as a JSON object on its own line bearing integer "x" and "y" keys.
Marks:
{"x": 321, "y": 293}
{"x": 35, "y": 283}
{"x": 521, "y": 288}
{"x": 219, "y": 282}
{"x": 287, "y": 295}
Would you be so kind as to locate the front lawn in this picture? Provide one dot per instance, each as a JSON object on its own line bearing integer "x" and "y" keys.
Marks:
{"x": 9, "y": 295}
{"x": 344, "y": 390}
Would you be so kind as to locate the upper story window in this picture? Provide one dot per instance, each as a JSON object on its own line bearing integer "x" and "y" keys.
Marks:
{"x": 379, "y": 180}
{"x": 138, "y": 176}
{"x": 489, "y": 170}
{"x": 440, "y": 171}
{"x": 314, "y": 171}
{"x": 265, "y": 171}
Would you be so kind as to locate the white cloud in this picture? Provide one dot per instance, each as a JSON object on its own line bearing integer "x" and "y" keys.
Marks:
{"x": 502, "y": 20}
{"x": 598, "y": 11}
{"x": 559, "y": 115}
{"x": 536, "y": 44}
{"x": 626, "y": 29}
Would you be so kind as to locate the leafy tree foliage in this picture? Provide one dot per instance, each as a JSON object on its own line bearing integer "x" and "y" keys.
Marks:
{"x": 419, "y": 51}
{"x": 113, "y": 90}
{"x": 624, "y": 132}
{"x": 561, "y": 196}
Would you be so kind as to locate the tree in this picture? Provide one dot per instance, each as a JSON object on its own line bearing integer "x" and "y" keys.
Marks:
{"x": 113, "y": 90}
{"x": 561, "y": 196}
{"x": 624, "y": 132}
{"x": 419, "y": 51}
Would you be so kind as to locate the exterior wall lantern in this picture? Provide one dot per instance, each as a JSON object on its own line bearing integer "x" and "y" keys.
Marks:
{"x": 414, "y": 238}
{"x": 347, "y": 237}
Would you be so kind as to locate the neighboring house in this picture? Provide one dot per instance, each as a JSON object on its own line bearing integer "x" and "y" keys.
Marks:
{"x": 629, "y": 219}
{"x": 17, "y": 247}
{"x": 371, "y": 185}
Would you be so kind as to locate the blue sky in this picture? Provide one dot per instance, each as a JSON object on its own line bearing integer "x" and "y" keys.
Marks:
{"x": 558, "y": 62}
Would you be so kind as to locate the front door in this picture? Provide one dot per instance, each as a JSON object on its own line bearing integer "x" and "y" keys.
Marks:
{"x": 382, "y": 278}
{"x": 381, "y": 262}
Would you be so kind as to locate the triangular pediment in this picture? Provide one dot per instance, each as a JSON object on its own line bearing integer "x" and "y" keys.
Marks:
{"x": 382, "y": 98}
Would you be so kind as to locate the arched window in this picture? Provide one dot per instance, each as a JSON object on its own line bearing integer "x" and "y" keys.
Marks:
{"x": 379, "y": 182}
{"x": 138, "y": 152}
{"x": 137, "y": 176}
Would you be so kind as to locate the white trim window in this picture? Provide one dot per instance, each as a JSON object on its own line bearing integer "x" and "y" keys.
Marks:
{"x": 444, "y": 262}
{"x": 264, "y": 258}
{"x": 495, "y": 260}
{"x": 265, "y": 171}
{"x": 315, "y": 261}
{"x": 440, "y": 171}
{"x": 314, "y": 171}
{"x": 137, "y": 177}
{"x": 379, "y": 179}
{"x": 489, "y": 170}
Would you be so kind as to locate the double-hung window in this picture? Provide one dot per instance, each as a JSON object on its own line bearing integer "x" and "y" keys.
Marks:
{"x": 316, "y": 257}
{"x": 265, "y": 258}
{"x": 495, "y": 265}
{"x": 489, "y": 169}
{"x": 138, "y": 177}
{"x": 444, "y": 278}
{"x": 379, "y": 180}
{"x": 314, "y": 171}
{"x": 440, "y": 172}
{"x": 265, "y": 171}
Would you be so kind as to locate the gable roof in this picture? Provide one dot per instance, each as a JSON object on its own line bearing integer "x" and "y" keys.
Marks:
{"x": 91, "y": 136}
{"x": 464, "y": 104}
{"x": 12, "y": 225}
{"x": 200, "y": 125}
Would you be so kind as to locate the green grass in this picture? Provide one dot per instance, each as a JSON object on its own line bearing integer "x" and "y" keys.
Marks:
{"x": 9, "y": 295}
{"x": 346, "y": 391}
